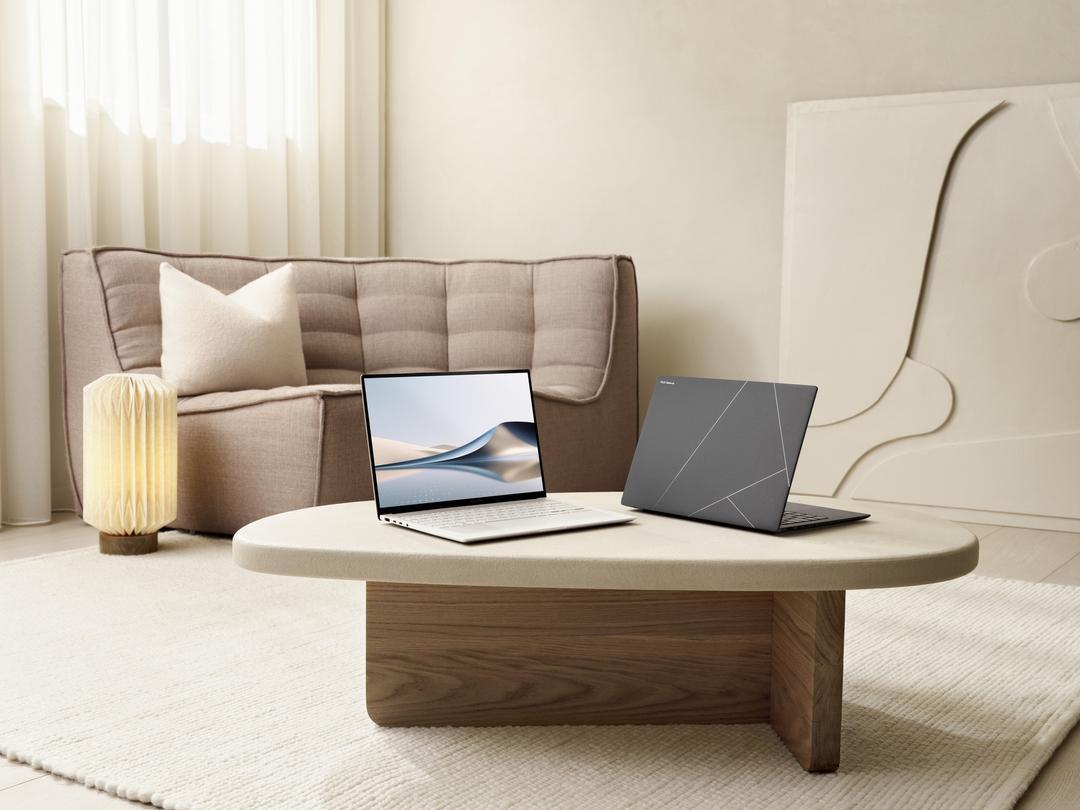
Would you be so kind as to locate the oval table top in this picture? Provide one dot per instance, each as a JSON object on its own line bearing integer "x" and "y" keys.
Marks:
{"x": 893, "y": 547}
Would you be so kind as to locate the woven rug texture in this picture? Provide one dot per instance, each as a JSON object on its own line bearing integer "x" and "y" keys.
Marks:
{"x": 181, "y": 680}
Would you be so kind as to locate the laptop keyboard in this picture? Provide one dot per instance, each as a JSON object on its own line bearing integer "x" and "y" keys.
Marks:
{"x": 793, "y": 517}
{"x": 516, "y": 510}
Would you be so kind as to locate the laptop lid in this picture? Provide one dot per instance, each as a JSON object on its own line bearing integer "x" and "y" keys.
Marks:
{"x": 720, "y": 450}
{"x": 451, "y": 439}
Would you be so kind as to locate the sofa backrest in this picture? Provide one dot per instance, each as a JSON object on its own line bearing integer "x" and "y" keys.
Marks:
{"x": 556, "y": 316}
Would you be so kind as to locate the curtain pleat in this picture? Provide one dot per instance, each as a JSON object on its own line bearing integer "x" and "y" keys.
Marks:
{"x": 24, "y": 373}
{"x": 187, "y": 125}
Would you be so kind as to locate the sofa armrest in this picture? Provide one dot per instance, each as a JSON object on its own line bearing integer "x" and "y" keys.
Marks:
{"x": 576, "y": 314}
{"x": 589, "y": 444}
{"x": 243, "y": 455}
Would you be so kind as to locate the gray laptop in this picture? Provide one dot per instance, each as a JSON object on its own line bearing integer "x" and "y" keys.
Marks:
{"x": 724, "y": 451}
{"x": 457, "y": 455}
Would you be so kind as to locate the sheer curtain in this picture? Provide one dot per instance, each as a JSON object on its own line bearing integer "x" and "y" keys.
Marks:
{"x": 212, "y": 125}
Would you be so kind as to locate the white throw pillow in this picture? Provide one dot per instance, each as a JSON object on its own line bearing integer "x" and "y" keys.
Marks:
{"x": 216, "y": 342}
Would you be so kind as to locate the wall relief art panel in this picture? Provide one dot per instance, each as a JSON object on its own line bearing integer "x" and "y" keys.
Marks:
{"x": 931, "y": 289}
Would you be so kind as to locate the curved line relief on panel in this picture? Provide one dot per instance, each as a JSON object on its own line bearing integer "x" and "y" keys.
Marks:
{"x": 990, "y": 474}
{"x": 918, "y": 401}
{"x": 865, "y": 374}
{"x": 1053, "y": 281}
{"x": 990, "y": 465}
{"x": 1065, "y": 113}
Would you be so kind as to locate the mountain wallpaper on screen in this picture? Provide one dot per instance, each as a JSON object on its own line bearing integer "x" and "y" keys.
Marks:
{"x": 500, "y": 460}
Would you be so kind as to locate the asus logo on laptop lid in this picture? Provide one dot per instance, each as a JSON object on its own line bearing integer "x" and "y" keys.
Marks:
{"x": 667, "y": 382}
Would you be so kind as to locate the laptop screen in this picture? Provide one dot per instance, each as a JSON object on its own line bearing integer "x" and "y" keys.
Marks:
{"x": 447, "y": 438}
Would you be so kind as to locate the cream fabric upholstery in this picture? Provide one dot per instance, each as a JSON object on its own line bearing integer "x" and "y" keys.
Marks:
{"x": 215, "y": 342}
{"x": 247, "y": 454}
{"x": 243, "y": 454}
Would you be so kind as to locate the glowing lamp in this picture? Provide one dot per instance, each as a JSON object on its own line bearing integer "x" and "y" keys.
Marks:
{"x": 129, "y": 460}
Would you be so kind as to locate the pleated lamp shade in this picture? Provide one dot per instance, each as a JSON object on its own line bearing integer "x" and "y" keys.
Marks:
{"x": 129, "y": 460}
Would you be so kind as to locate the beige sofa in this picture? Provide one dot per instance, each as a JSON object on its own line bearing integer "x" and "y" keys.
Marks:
{"x": 246, "y": 454}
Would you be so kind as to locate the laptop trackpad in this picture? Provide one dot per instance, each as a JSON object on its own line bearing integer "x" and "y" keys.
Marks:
{"x": 533, "y": 524}
{"x": 512, "y": 524}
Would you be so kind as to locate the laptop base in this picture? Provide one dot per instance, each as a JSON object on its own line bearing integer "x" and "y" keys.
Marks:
{"x": 499, "y": 521}
{"x": 815, "y": 517}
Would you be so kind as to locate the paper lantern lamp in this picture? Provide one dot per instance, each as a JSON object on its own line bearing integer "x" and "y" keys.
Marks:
{"x": 129, "y": 460}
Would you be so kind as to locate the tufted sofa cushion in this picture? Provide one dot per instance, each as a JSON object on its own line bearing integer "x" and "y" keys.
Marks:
{"x": 556, "y": 317}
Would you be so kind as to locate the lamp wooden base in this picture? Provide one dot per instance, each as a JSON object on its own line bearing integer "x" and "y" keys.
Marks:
{"x": 127, "y": 543}
{"x": 441, "y": 655}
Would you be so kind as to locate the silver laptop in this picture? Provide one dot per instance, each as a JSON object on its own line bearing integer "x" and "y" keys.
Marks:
{"x": 725, "y": 451}
{"x": 457, "y": 455}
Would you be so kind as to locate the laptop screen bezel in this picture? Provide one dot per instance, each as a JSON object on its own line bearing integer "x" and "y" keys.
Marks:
{"x": 423, "y": 507}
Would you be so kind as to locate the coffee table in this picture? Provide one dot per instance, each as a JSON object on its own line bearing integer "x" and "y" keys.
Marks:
{"x": 659, "y": 621}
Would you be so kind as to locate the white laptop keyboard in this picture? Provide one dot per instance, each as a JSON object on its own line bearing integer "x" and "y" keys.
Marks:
{"x": 470, "y": 515}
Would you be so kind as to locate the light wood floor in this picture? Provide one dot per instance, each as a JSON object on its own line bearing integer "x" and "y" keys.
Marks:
{"x": 1035, "y": 556}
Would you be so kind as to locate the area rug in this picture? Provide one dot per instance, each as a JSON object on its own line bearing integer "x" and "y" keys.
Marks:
{"x": 180, "y": 680}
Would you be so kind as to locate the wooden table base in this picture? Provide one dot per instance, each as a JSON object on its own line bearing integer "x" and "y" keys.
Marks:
{"x": 441, "y": 655}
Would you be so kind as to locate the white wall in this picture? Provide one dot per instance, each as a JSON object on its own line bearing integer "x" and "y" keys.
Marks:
{"x": 528, "y": 128}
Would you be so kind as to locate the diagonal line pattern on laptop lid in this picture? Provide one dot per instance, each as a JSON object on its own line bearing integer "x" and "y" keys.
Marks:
{"x": 703, "y": 438}
{"x": 720, "y": 450}
{"x": 780, "y": 427}
{"x": 736, "y": 492}
{"x": 740, "y": 511}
